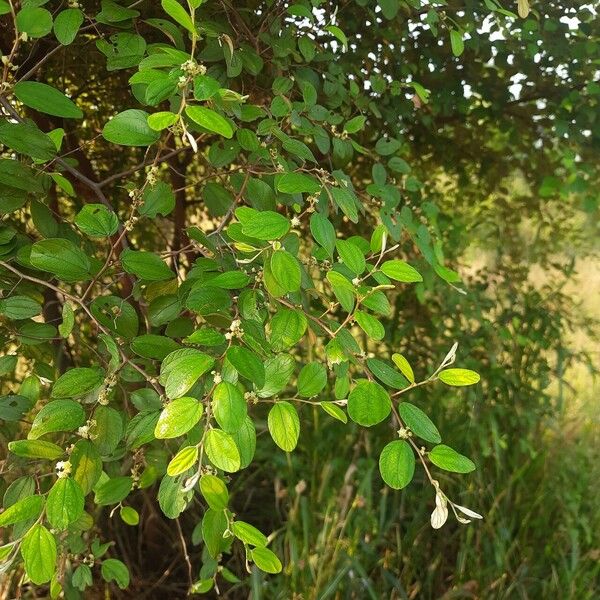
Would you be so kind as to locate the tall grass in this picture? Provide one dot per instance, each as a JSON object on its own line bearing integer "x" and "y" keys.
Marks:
{"x": 533, "y": 430}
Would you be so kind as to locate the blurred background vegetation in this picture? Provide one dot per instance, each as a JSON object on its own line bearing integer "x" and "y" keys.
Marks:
{"x": 507, "y": 180}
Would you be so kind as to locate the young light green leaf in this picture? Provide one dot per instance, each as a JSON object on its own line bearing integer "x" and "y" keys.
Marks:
{"x": 229, "y": 407}
{"x": 35, "y": 449}
{"x": 284, "y": 425}
{"x": 65, "y": 503}
{"x": 185, "y": 459}
{"x": 266, "y": 560}
{"x": 249, "y": 534}
{"x": 178, "y": 14}
{"x": 335, "y": 411}
{"x": 266, "y": 225}
{"x": 459, "y": 377}
{"x": 214, "y": 491}
{"x": 38, "y": 549}
{"x": 221, "y": 450}
{"x": 404, "y": 367}
{"x": 178, "y": 417}
{"x": 24, "y": 509}
{"x": 449, "y": 459}
{"x": 398, "y": 270}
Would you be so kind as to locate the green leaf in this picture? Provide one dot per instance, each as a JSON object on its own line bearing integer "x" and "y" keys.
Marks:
{"x": 285, "y": 268}
{"x": 97, "y": 221}
{"x": 355, "y": 124}
{"x": 312, "y": 380}
{"x": 113, "y": 491}
{"x": 145, "y": 265}
{"x": 108, "y": 429}
{"x": 59, "y": 415}
{"x": 61, "y": 258}
{"x": 205, "y": 87}
{"x": 284, "y": 425}
{"x": 221, "y": 450}
{"x": 457, "y": 42}
{"x": 210, "y": 120}
{"x": 67, "y": 24}
{"x": 114, "y": 570}
{"x": 34, "y": 21}
{"x": 161, "y": 120}
{"x": 229, "y": 407}
{"x": 418, "y": 422}
{"x": 117, "y": 315}
{"x": 335, "y": 411}
{"x": 8, "y": 364}
{"x": 323, "y": 232}
{"x": 27, "y": 139}
{"x": 24, "y": 509}
{"x": 249, "y": 534}
{"x": 35, "y": 449}
{"x": 398, "y": 270}
{"x": 386, "y": 373}
{"x": 65, "y": 503}
{"x": 181, "y": 369}
{"x": 86, "y": 465}
{"x": 368, "y": 403}
{"x": 130, "y": 128}
{"x": 171, "y": 497}
{"x": 404, "y": 367}
{"x": 68, "y": 320}
{"x": 245, "y": 440}
{"x": 287, "y": 328}
{"x": 459, "y": 377}
{"x": 342, "y": 289}
{"x": 129, "y": 515}
{"x": 266, "y": 560}
{"x": 346, "y": 201}
{"x": 351, "y": 255}
{"x": 214, "y": 525}
{"x": 178, "y": 417}
{"x": 397, "y": 464}
{"x": 38, "y": 549}
{"x": 446, "y": 458}
{"x": 185, "y": 459}
{"x": 214, "y": 491}
{"x": 266, "y": 225}
{"x": 178, "y": 14}
{"x": 46, "y": 99}
{"x": 158, "y": 199}
{"x": 19, "y": 307}
{"x": 370, "y": 325}
{"x": 298, "y": 183}
{"x": 247, "y": 364}
{"x": 77, "y": 382}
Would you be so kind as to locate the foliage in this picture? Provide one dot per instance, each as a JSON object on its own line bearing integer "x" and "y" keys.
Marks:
{"x": 221, "y": 221}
